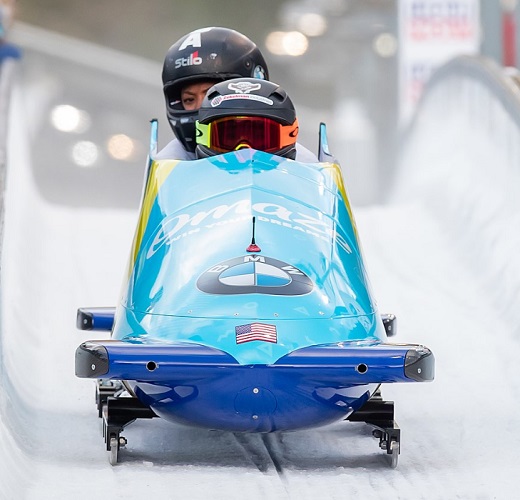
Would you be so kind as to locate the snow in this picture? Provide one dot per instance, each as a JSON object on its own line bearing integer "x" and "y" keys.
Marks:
{"x": 459, "y": 433}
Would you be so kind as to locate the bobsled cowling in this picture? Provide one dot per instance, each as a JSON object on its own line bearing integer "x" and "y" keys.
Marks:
{"x": 192, "y": 278}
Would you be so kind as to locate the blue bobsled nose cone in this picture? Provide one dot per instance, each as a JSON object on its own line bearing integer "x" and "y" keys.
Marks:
{"x": 255, "y": 404}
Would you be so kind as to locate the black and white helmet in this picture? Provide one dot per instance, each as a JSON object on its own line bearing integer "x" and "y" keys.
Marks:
{"x": 247, "y": 113}
{"x": 212, "y": 53}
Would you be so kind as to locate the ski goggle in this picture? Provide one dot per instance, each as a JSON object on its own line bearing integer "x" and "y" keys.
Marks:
{"x": 256, "y": 132}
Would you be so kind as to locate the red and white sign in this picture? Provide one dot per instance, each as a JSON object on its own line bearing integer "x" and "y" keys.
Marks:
{"x": 430, "y": 33}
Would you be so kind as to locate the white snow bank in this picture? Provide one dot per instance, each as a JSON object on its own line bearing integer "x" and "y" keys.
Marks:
{"x": 461, "y": 159}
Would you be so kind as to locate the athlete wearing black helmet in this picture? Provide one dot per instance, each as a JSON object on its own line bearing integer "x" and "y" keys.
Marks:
{"x": 194, "y": 63}
{"x": 249, "y": 113}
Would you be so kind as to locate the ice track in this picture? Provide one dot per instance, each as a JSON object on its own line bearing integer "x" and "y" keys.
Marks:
{"x": 460, "y": 436}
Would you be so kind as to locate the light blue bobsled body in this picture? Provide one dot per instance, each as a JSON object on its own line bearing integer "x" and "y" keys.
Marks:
{"x": 217, "y": 332}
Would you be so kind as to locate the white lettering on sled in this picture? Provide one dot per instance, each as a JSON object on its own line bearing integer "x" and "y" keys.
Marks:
{"x": 224, "y": 214}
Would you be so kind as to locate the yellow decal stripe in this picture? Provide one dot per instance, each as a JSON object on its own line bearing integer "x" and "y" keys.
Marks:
{"x": 159, "y": 172}
{"x": 334, "y": 170}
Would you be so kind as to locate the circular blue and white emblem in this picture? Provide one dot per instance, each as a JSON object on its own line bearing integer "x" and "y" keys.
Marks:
{"x": 259, "y": 72}
{"x": 254, "y": 274}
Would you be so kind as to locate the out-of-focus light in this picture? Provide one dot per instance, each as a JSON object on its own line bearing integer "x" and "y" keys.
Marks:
{"x": 121, "y": 147}
{"x": 312, "y": 24}
{"x": 287, "y": 43}
{"x": 385, "y": 45}
{"x": 295, "y": 43}
{"x": 67, "y": 118}
{"x": 274, "y": 42}
{"x": 85, "y": 153}
{"x": 508, "y": 5}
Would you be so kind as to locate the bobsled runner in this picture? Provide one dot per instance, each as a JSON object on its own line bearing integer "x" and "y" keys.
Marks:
{"x": 246, "y": 306}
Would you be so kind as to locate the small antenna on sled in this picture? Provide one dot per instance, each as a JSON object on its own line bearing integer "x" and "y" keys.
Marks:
{"x": 253, "y": 247}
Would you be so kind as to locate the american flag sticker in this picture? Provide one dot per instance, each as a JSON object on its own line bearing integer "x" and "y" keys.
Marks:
{"x": 256, "y": 331}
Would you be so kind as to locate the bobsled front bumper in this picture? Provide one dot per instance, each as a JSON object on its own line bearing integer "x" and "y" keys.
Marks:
{"x": 343, "y": 362}
{"x": 199, "y": 385}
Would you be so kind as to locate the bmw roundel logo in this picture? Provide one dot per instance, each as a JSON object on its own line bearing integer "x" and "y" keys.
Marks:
{"x": 259, "y": 72}
{"x": 254, "y": 274}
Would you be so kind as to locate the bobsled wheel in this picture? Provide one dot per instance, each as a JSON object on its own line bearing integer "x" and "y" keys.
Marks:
{"x": 394, "y": 453}
{"x": 114, "y": 450}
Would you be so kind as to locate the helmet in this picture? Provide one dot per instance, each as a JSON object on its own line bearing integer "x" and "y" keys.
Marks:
{"x": 205, "y": 54}
{"x": 246, "y": 112}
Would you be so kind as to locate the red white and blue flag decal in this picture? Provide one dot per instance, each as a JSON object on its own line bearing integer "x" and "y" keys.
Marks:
{"x": 256, "y": 331}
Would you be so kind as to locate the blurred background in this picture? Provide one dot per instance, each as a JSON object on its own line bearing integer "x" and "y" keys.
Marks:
{"x": 358, "y": 65}
{"x": 407, "y": 118}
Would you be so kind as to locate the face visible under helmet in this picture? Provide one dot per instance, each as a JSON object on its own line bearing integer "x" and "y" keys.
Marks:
{"x": 203, "y": 55}
{"x": 247, "y": 113}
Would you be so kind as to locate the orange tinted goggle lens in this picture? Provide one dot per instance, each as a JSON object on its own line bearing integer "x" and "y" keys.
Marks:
{"x": 263, "y": 134}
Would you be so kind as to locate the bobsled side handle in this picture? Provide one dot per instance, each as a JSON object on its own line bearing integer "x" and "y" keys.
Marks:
{"x": 152, "y": 153}
{"x": 154, "y": 138}
{"x": 324, "y": 154}
{"x": 95, "y": 318}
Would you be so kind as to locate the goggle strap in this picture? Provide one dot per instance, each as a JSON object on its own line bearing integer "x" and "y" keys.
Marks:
{"x": 288, "y": 134}
{"x": 203, "y": 134}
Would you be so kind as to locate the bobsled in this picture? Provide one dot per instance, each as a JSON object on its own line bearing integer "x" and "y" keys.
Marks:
{"x": 246, "y": 306}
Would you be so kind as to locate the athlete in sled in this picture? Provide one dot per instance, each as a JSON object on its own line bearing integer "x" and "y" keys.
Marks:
{"x": 247, "y": 306}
